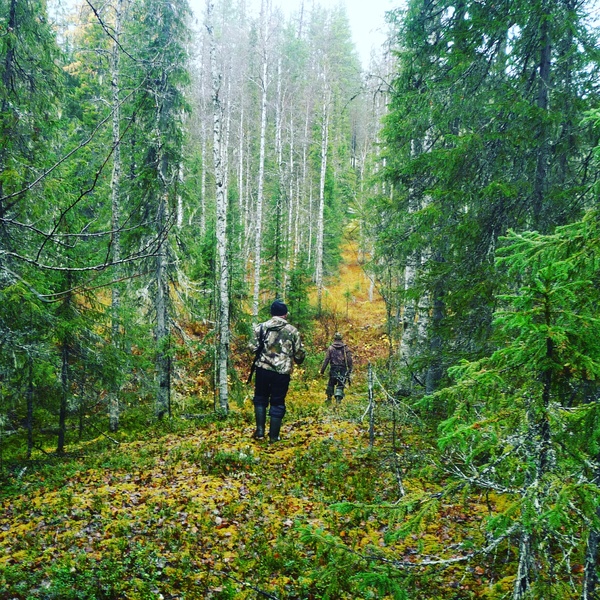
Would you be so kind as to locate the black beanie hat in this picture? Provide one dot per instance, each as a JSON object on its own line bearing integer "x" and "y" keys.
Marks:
{"x": 278, "y": 309}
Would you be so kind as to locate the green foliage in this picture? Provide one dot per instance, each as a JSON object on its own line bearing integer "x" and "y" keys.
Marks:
{"x": 297, "y": 298}
{"x": 343, "y": 572}
{"x": 476, "y": 143}
{"x": 525, "y": 417}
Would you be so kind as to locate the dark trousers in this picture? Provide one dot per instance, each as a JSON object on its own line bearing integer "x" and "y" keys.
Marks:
{"x": 270, "y": 388}
{"x": 337, "y": 378}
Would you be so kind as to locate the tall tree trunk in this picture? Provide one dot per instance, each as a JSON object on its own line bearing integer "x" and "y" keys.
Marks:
{"x": 415, "y": 314}
{"x": 434, "y": 370}
{"x": 161, "y": 304}
{"x": 248, "y": 241}
{"x": 319, "y": 243}
{"x": 291, "y": 193}
{"x": 227, "y": 102}
{"x": 64, "y": 397}
{"x": 241, "y": 199}
{"x": 65, "y": 357}
{"x": 303, "y": 191}
{"x": 7, "y": 76}
{"x": 542, "y": 104}
{"x": 30, "y": 394}
{"x": 277, "y": 269}
{"x": 221, "y": 224}
{"x": 261, "y": 168}
{"x": 113, "y": 400}
{"x": 203, "y": 154}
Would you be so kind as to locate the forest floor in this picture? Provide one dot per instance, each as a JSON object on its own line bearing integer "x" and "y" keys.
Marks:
{"x": 204, "y": 511}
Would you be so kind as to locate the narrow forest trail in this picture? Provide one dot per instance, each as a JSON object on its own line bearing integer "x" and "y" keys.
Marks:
{"x": 205, "y": 511}
{"x": 356, "y": 309}
{"x": 352, "y": 306}
{"x": 200, "y": 510}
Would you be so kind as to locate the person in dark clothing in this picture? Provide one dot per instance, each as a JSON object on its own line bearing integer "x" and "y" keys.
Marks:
{"x": 339, "y": 359}
{"x": 277, "y": 346}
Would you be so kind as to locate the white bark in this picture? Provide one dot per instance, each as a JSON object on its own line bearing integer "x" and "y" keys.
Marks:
{"x": 247, "y": 206}
{"x": 225, "y": 143}
{"x": 304, "y": 182}
{"x": 289, "y": 263}
{"x": 321, "y": 210}
{"x": 221, "y": 224}
{"x": 203, "y": 155}
{"x": 241, "y": 199}
{"x": 261, "y": 169}
{"x": 279, "y": 287}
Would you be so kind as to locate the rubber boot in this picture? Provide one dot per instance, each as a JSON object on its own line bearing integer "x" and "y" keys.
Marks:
{"x": 260, "y": 414}
{"x": 274, "y": 428}
{"x": 329, "y": 393}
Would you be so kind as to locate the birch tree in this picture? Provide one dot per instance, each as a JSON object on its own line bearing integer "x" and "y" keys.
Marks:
{"x": 221, "y": 224}
{"x": 321, "y": 208}
{"x": 258, "y": 215}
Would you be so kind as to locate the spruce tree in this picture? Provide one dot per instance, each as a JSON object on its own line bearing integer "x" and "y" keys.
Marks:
{"x": 160, "y": 33}
{"x": 484, "y": 134}
{"x": 524, "y": 420}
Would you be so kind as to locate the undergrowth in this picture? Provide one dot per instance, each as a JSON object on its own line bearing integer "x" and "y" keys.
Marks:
{"x": 345, "y": 507}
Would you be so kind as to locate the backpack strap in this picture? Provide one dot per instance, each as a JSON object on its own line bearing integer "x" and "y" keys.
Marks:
{"x": 259, "y": 349}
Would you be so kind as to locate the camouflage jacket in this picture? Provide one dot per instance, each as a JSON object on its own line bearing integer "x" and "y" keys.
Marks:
{"x": 339, "y": 357}
{"x": 282, "y": 346}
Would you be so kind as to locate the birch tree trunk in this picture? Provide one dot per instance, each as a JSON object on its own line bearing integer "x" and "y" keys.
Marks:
{"x": 289, "y": 263}
{"x": 227, "y": 103}
{"x": 221, "y": 224}
{"x": 277, "y": 271}
{"x": 203, "y": 155}
{"x": 241, "y": 200}
{"x": 321, "y": 210}
{"x": 261, "y": 168}
{"x": 302, "y": 192}
{"x": 113, "y": 401}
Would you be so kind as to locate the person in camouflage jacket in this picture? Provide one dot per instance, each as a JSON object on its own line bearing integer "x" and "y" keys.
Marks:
{"x": 339, "y": 359}
{"x": 277, "y": 346}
